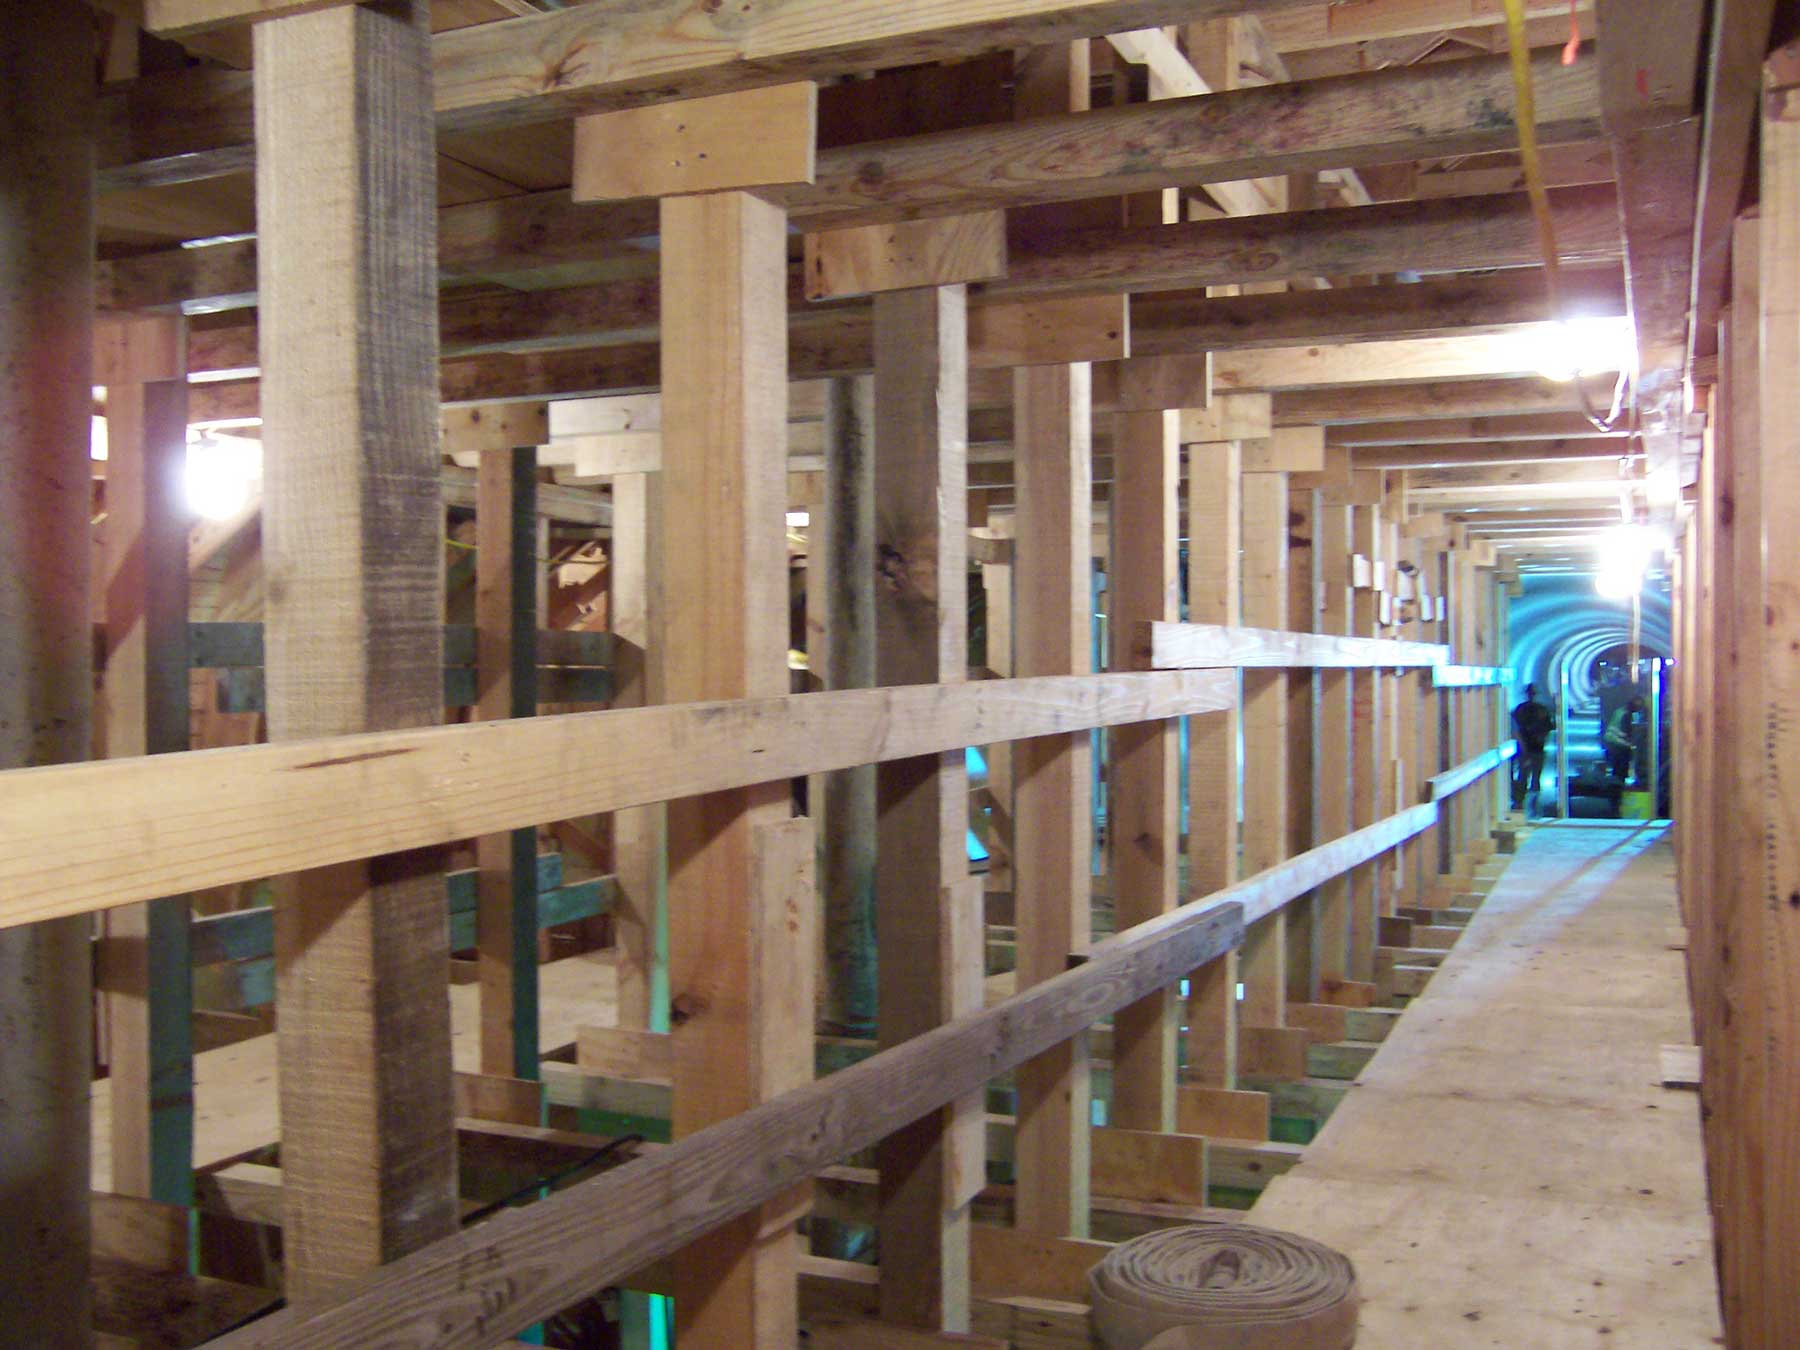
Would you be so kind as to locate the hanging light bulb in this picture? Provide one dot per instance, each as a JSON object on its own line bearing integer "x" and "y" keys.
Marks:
{"x": 1582, "y": 346}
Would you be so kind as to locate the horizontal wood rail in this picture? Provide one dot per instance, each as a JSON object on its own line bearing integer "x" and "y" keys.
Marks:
{"x": 1197, "y": 646}
{"x": 1469, "y": 677}
{"x": 84, "y": 837}
{"x": 1453, "y": 781}
{"x": 499, "y": 1277}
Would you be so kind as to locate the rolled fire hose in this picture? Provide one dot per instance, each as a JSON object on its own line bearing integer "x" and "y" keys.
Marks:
{"x": 1224, "y": 1286}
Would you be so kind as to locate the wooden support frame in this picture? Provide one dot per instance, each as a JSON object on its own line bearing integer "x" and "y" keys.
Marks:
{"x": 144, "y": 704}
{"x": 675, "y": 1188}
{"x": 345, "y": 197}
{"x": 506, "y": 653}
{"x": 723, "y": 635}
{"x": 1263, "y": 968}
{"x": 930, "y": 953}
{"x": 1143, "y": 796}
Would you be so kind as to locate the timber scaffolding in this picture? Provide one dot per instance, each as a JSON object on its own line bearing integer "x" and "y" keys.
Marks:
{"x": 913, "y": 338}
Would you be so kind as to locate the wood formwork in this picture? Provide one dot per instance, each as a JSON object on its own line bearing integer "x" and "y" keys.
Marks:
{"x": 872, "y": 383}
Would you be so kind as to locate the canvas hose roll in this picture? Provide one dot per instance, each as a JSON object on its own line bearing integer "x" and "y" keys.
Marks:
{"x": 1224, "y": 1286}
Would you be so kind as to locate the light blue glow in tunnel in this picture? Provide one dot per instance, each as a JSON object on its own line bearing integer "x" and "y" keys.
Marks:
{"x": 1561, "y": 624}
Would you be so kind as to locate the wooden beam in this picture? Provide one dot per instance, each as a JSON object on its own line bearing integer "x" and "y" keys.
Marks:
{"x": 1321, "y": 25}
{"x": 491, "y": 778}
{"x": 1336, "y": 765}
{"x": 1214, "y": 595}
{"x": 144, "y": 694}
{"x": 1471, "y": 430}
{"x": 1777, "y": 450}
{"x": 929, "y": 949}
{"x": 760, "y": 138}
{"x": 1593, "y": 451}
{"x": 1456, "y": 234}
{"x": 185, "y": 18}
{"x": 1433, "y": 308}
{"x": 506, "y": 626}
{"x": 1196, "y": 646}
{"x": 1266, "y": 804}
{"x": 1427, "y": 400}
{"x": 1244, "y": 133}
{"x": 723, "y": 634}
{"x": 353, "y": 557}
{"x": 1052, "y": 816}
{"x": 46, "y": 645}
{"x": 1143, "y": 799}
{"x": 865, "y": 259}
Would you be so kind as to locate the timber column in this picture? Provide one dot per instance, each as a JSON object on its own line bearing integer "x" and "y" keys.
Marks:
{"x": 46, "y": 648}
{"x": 740, "y": 865}
{"x": 353, "y": 555}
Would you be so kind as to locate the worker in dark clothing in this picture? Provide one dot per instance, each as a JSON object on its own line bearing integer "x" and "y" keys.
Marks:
{"x": 1619, "y": 738}
{"x": 1532, "y": 725}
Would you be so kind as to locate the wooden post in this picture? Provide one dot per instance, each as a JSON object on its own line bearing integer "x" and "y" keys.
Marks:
{"x": 1779, "y": 452}
{"x": 506, "y": 624}
{"x": 1264, "y": 959}
{"x": 1053, "y": 814}
{"x": 1303, "y": 937}
{"x": 723, "y": 634}
{"x": 352, "y": 529}
{"x": 1143, "y": 803}
{"x": 1365, "y": 881}
{"x": 641, "y": 912}
{"x": 846, "y": 557}
{"x": 928, "y": 911}
{"x": 1052, "y": 776}
{"x": 1215, "y": 538}
{"x": 1335, "y": 765}
{"x": 144, "y": 564}
{"x": 46, "y": 640}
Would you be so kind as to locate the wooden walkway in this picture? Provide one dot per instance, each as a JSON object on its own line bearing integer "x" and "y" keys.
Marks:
{"x": 1508, "y": 1170}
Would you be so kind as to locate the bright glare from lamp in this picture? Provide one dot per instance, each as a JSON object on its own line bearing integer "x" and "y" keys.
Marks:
{"x": 1625, "y": 554}
{"x": 798, "y": 520}
{"x": 223, "y": 472}
{"x": 1581, "y": 346}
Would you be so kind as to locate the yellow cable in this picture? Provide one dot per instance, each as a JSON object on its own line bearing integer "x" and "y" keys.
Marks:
{"x": 1528, "y": 150}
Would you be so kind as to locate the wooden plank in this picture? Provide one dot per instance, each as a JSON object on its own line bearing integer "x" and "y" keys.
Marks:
{"x": 927, "y": 922}
{"x": 1778, "y": 280}
{"x": 1337, "y": 766}
{"x": 144, "y": 706}
{"x": 1052, "y": 815}
{"x": 1266, "y": 806}
{"x": 640, "y": 927}
{"x": 625, "y": 1052}
{"x": 1006, "y": 1262}
{"x": 484, "y": 779}
{"x": 185, "y": 18}
{"x": 1214, "y": 593}
{"x": 722, "y": 634}
{"x": 1330, "y": 25}
{"x": 1172, "y": 321}
{"x": 367, "y": 1146}
{"x": 1429, "y": 399}
{"x": 864, "y": 259}
{"x": 1229, "y": 417}
{"x": 1197, "y": 646}
{"x": 762, "y": 138}
{"x": 1449, "y": 235}
{"x": 1053, "y": 330}
{"x": 1149, "y": 1165}
{"x": 1143, "y": 797}
{"x": 506, "y": 612}
{"x": 1287, "y": 450}
{"x": 1222, "y": 1112}
{"x": 1407, "y": 113}
{"x": 46, "y": 675}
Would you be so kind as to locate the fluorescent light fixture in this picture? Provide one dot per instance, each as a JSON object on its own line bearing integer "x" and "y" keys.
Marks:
{"x": 1625, "y": 555}
{"x": 798, "y": 520}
